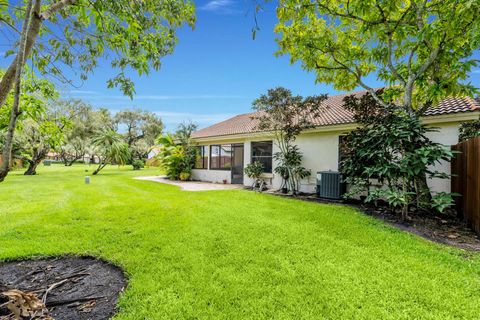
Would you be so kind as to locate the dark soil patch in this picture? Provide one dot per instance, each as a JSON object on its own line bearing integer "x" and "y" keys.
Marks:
{"x": 88, "y": 288}
{"x": 444, "y": 228}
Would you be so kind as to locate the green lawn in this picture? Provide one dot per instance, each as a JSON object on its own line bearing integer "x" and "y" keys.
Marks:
{"x": 235, "y": 254}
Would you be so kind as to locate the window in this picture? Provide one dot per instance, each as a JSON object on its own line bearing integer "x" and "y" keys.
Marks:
{"x": 202, "y": 157}
{"x": 221, "y": 157}
{"x": 262, "y": 152}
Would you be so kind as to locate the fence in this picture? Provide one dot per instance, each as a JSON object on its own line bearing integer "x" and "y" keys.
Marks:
{"x": 466, "y": 181}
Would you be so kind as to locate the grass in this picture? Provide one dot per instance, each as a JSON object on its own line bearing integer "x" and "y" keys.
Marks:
{"x": 234, "y": 254}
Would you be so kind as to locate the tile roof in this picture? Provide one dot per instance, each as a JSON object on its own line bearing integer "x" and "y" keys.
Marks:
{"x": 334, "y": 114}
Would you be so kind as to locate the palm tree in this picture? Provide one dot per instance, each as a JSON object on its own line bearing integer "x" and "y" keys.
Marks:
{"x": 111, "y": 149}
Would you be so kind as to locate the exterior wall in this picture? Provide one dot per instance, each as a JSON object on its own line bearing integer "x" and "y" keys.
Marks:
{"x": 448, "y": 135}
{"x": 320, "y": 153}
{"x": 216, "y": 176}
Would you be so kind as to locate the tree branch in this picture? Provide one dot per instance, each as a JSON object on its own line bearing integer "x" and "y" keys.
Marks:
{"x": 54, "y": 8}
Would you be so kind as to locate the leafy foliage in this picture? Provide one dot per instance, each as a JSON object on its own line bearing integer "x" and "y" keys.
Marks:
{"x": 469, "y": 130}
{"x": 110, "y": 148}
{"x": 184, "y": 132}
{"x": 36, "y": 95}
{"x": 392, "y": 148}
{"x": 78, "y": 136}
{"x": 38, "y": 137}
{"x": 286, "y": 116}
{"x": 138, "y": 164}
{"x": 176, "y": 159}
{"x": 254, "y": 170}
{"x": 135, "y": 35}
{"x": 177, "y": 154}
{"x": 141, "y": 129}
{"x": 422, "y": 50}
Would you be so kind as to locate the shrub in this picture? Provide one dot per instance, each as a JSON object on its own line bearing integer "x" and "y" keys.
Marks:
{"x": 395, "y": 150}
{"x": 469, "y": 130}
{"x": 138, "y": 164}
{"x": 175, "y": 158}
{"x": 184, "y": 176}
{"x": 254, "y": 170}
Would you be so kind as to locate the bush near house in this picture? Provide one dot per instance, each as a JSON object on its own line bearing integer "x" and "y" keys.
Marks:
{"x": 176, "y": 159}
{"x": 286, "y": 116}
{"x": 177, "y": 154}
{"x": 469, "y": 130}
{"x": 392, "y": 147}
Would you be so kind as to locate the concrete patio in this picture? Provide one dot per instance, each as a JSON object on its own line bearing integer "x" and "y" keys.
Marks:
{"x": 192, "y": 185}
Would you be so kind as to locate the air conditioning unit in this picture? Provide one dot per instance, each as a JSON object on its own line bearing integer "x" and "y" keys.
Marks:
{"x": 330, "y": 185}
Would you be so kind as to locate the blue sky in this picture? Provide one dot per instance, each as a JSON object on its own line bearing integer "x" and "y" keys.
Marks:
{"x": 216, "y": 71}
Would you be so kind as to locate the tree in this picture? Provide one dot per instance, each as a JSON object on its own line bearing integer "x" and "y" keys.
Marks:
{"x": 77, "y": 136}
{"x": 392, "y": 148}
{"x": 141, "y": 130}
{"x": 469, "y": 130}
{"x": 39, "y": 136}
{"x": 77, "y": 33}
{"x": 184, "y": 132}
{"x": 110, "y": 148}
{"x": 421, "y": 50}
{"x": 286, "y": 116}
{"x": 37, "y": 95}
{"x": 177, "y": 153}
{"x": 254, "y": 171}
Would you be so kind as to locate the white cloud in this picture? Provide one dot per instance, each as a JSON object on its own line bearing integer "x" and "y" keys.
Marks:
{"x": 220, "y": 6}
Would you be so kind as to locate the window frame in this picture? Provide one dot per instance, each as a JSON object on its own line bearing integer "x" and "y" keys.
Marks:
{"x": 256, "y": 157}
{"x": 220, "y": 157}
{"x": 204, "y": 157}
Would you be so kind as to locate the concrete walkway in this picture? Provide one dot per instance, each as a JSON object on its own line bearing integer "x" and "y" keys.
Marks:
{"x": 192, "y": 185}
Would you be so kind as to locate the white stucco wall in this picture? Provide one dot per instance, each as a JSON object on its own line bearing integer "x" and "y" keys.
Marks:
{"x": 320, "y": 153}
{"x": 216, "y": 176}
{"x": 448, "y": 135}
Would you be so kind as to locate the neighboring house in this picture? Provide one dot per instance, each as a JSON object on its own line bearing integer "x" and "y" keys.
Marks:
{"x": 227, "y": 147}
{"x": 153, "y": 152}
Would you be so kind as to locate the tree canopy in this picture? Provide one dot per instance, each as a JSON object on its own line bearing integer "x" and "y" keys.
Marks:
{"x": 421, "y": 50}
{"x": 141, "y": 129}
{"x": 75, "y": 34}
{"x": 286, "y": 116}
{"x": 133, "y": 35}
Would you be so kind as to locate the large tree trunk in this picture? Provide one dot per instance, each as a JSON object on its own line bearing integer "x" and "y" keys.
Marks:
{"x": 35, "y": 22}
{"x": 15, "y": 76}
{"x": 37, "y": 158}
{"x": 32, "y": 168}
{"x": 8, "y": 80}
{"x": 30, "y": 31}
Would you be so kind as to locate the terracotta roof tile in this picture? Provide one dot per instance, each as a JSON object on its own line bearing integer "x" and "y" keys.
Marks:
{"x": 334, "y": 114}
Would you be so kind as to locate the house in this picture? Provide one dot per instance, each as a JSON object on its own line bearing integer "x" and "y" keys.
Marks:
{"x": 227, "y": 147}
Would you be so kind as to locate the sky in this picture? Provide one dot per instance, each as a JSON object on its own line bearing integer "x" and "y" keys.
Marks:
{"x": 215, "y": 72}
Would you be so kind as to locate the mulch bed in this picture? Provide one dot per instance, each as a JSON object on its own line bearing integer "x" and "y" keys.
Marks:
{"x": 444, "y": 228}
{"x": 69, "y": 287}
